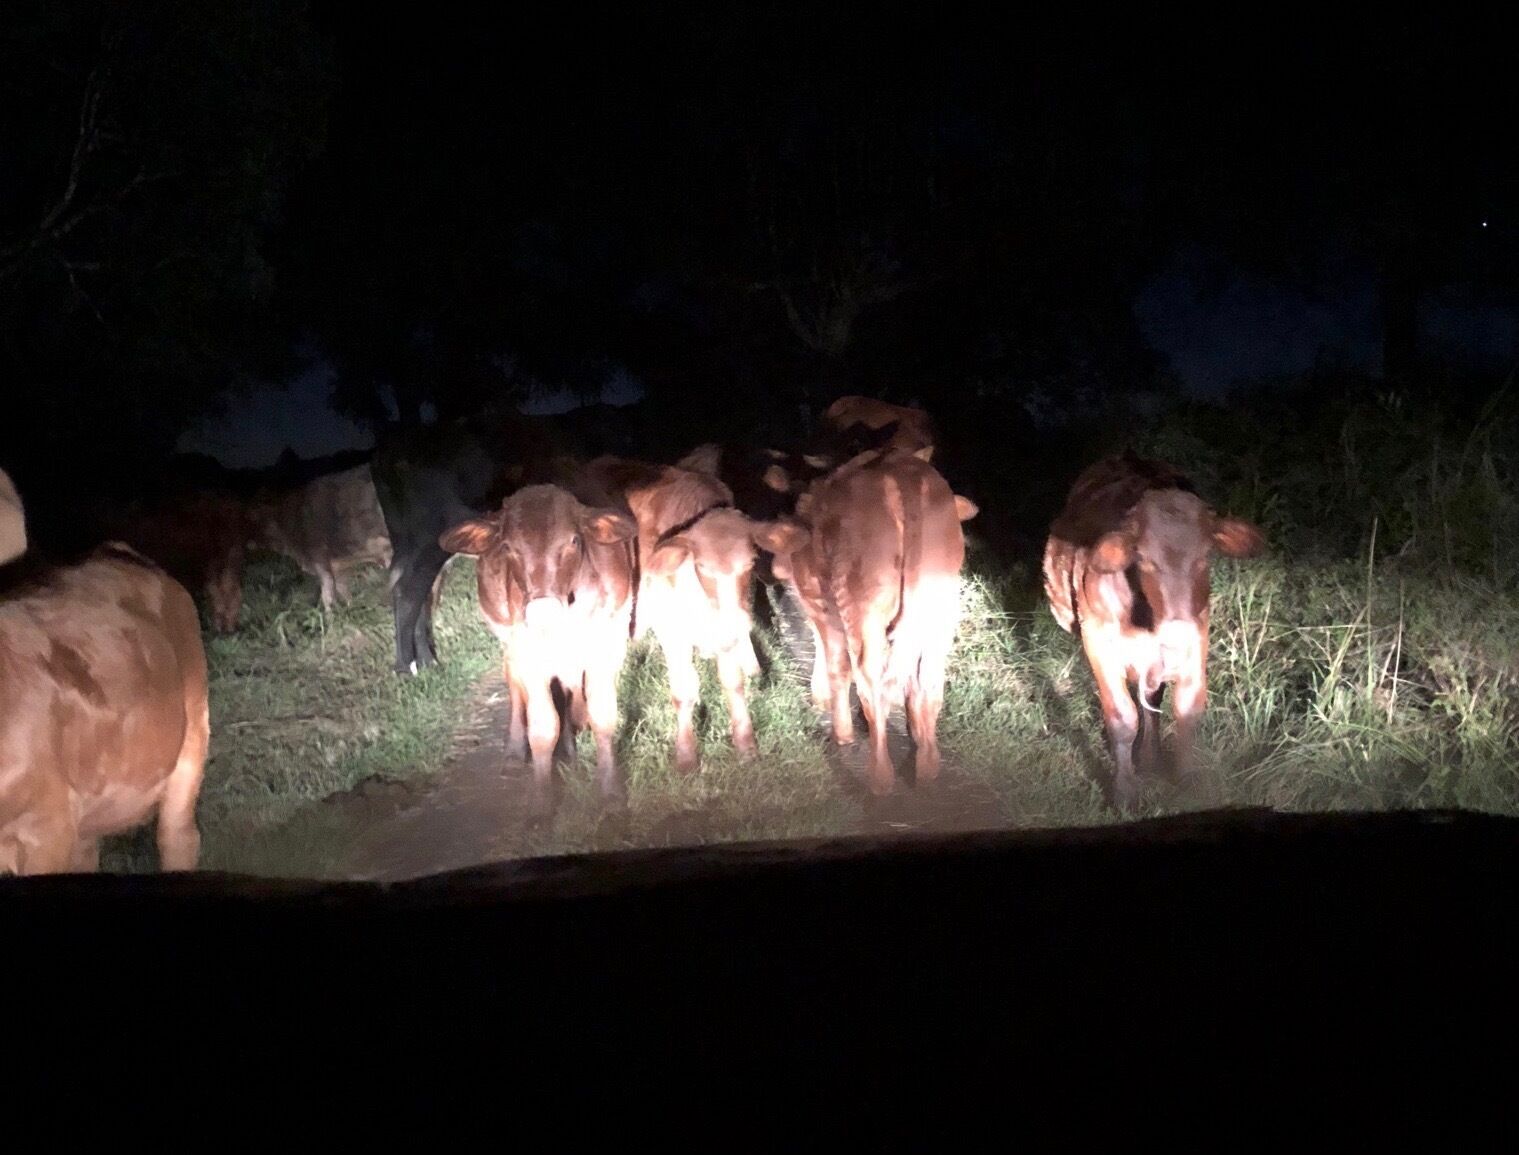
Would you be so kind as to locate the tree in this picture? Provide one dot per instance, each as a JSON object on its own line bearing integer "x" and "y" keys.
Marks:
{"x": 148, "y": 150}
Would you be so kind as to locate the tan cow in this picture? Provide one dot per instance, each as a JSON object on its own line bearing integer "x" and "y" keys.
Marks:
{"x": 12, "y": 521}
{"x": 330, "y": 525}
{"x": 696, "y": 561}
{"x": 1126, "y": 569}
{"x": 102, "y": 712}
{"x": 555, "y": 579}
{"x": 879, "y": 579}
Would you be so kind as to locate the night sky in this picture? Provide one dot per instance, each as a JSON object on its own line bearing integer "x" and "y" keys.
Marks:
{"x": 734, "y": 211}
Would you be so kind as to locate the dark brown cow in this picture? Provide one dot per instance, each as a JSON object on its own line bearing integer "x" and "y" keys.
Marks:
{"x": 199, "y": 536}
{"x": 901, "y": 426}
{"x": 102, "y": 712}
{"x": 329, "y": 525}
{"x": 556, "y": 585}
{"x": 879, "y": 579}
{"x": 696, "y": 560}
{"x": 1126, "y": 568}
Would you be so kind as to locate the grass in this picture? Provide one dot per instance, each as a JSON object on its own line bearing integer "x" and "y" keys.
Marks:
{"x": 1331, "y": 687}
{"x": 1372, "y": 661}
{"x": 306, "y": 706}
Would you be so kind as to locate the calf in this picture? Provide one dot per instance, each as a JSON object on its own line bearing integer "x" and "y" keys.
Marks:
{"x": 102, "y": 711}
{"x": 199, "y": 536}
{"x": 556, "y": 585}
{"x": 434, "y": 477}
{"x": 696, "y": 559}
{"x": 330, "y": 525}
{"x": 1126, "y": 569}
{"x": 879, "y": 579}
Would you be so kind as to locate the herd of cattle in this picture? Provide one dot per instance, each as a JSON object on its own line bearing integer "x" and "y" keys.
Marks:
{"x": 103, "y": 691}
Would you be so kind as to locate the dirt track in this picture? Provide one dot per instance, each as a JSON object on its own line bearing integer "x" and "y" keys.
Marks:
{"x": 475, "y": 811}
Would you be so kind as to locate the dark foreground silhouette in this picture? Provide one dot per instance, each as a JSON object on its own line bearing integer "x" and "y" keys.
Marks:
{"x": 1350, "y": 943}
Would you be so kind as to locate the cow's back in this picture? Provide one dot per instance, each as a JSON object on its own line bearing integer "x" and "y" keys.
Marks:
{"x": 100, "y": 664}
{"x": 338, "y": 517}
{"x": 891, "y": 539}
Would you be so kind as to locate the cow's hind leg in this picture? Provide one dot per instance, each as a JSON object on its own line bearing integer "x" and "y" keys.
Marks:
{"x": 178, "y": 836}
{"x": 833, "y": 650}
{"x": 872, "y": 655}
{"x": 412, "y": 602}
{"x": 925, "y": 699}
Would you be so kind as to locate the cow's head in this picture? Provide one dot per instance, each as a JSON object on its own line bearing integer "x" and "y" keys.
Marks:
{"x": 1164, "y": 548}
{"x": 719, "y": 546}
{"x": 530, "y": 554}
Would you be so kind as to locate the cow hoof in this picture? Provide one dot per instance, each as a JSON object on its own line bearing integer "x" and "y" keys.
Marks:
{"x": 882, "y": 785}
{"x": 614, "y": 795}
{"x": 1126, "y": 794}
{"x": 540, "y": 804}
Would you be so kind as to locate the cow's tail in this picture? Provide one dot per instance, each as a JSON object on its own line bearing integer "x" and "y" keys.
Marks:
{"x": 906, "y": 631}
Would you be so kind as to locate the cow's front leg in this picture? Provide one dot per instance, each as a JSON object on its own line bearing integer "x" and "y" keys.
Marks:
{"x": 1120, "y": 717}
{"x": 516, "y": 719}
{"x": 1189, "y": 701}
{"x": 542, "y": 738}
{"x": 329, "y": 587}
{"x": 685, "y": 689}
{"x": 730, "y": 671}
{"x": 601, "y": 708}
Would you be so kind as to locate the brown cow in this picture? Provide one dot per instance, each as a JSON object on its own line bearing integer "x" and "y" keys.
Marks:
{"x": 199, "y": 536}
{"x": 556, "y": 585}
{"x": 1126, "y": 568}
{"x": 879, "y": 579}
{"x": 329, "y": 525}
{"x": 696, "y": 560}
{"x": 102, "y": 712}
{"x": 901, "y": 426}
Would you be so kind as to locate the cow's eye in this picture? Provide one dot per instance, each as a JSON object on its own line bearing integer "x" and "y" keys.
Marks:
{"x": 575, "y": 541}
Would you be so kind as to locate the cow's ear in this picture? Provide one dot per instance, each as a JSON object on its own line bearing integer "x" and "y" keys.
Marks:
{"x": 1233, "y": 537}
{"x": 804, "y": 505}
{"x": 818, "y": 461}
{"x": 965, "y": 508}
{"x": 780, "y": 537}
{"x": 667, "y": 557}
{"x": 607, "y": 526}
{"x": 472, "y": 537}
{"x": 926, "y": 454}
{"x": 1113, "y": 552}
{"x": 702, "y": 459}
{"x": 776, "y": 454}
{"x": 777, "y": 479}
